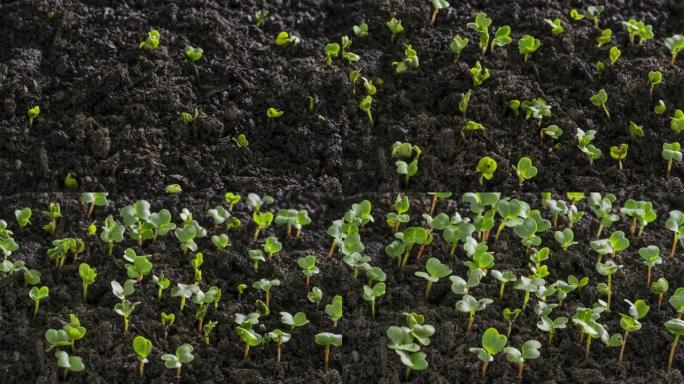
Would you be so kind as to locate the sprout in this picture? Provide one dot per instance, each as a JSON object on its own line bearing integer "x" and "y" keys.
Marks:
{"x": 528, "y": 45}
{"x": 88, "y": 275}
{"x": 284, "y": 39}
{"x": 67, "y": 336}
{"x": 37, "y": 294}
{"x": 327, "y": 340}
{"x": 33, "y": 113}
{"x": 528, "y": 285}
{"x": 193, "y": 54}
{"x": 630, "y": 323}
{"x": 241, "y": 141}
{"x": 395, "y": 219}
{"x": 614, "y": 54}
{"x": 167, "y": 321}
{"x": 139, "y": 266}
{"x": 619, "y": 153}
{"x": 142, "y": 348}
{"x": 365, "y": 105}
{"x": 94, "y": 199}
{"x": 208, "y": 328}
{"x": 407, "y": 169}
{"x": 605, "y": 38}
{"x": 162, "y": 284}
{"x": 514, "y": 105}
{"x": 638, "y": 28}
{"x": 654, "y": 78}
{"x": 457, "y": 45}
{"x": 486, "y": 167}
{"x": 188, "y": 117}
{"x": 152, "y": 40}
{"x": 315, "y": 295}
{"x": 608, "y": 269}
{"x": 279, "y": 337}
{"x": 660, "y": 287}
{"x": 437, "y": 5}
{"x": 677, "y": 301}
{"x": 492, "y": 344}
{"x": 650, "y": 256}
{"x": 410, "y": 60}
{"x": 244, "y": 329}
{"x": 677, "y": 121}
{"x": 478, "y": 74}
{"x": 528, "y": 351}
{"x": 591, "y": 13}
{"x": 584, "y": 140}
{"x": 112, "y": 232}
{"x": 370, "y": 294}
{"x": 256, "y": 255}
{"x": 471, "y": 126}
{"x": 70, "y": 182}
{"x": 334, "y": 310}
{"x": 273, "y": 113}
{"x": 675, "y": 223}
{"x": 262, "y": 220}
{"x": 196, "y": 263}
{"x": 512, "y": 214}
{"x": 272, "y": 246}
{"x": 510, "y": 315}
{"x": 293, "y": 218}
{"x": 501, "y": 37}
{"x": 241, "y": 290}
{"x": 298, "y": 320}
{"x": 525, "y": 170}
{"x": 481, "y": 26}
{"x": 675, "y": 327}
{"x": 309, "y": 268}
{"x": 463, "y": 104}
{"x": 183, "y": 356}
{"x": 641, "y": 213}
{"x": 407, "y": 340}
{"x": 361, "y": 30}
{"x": 565, "y": 238}
{"x": 602, "y": 207}
{"x": 266, "y": 285}
{"x": 536, "y": 108}
{"x": 503, "y": 277}
{"x": 611, "y": 246}
{"x": 600, "y": 100}
{"x": 471, "y": 305}
{"x": 261, "y": 17}
{"x": 546, "y": 324}
{"x": 184, "y": 291}
{"x": 53, "y": 213}
{"x": 69, "y": 363}
{"x": 232, "y": 199}
{"x": 435, "y": 271}
{"x": 553, "y": 131}
{"x": 395, "y": 27}
{"x": 671, "y": 152}
{"x": 660, "y": 108}
{"x": 556, "y": 26}
{"x": 675, "y": 44}
{"x": 331, "y": 50}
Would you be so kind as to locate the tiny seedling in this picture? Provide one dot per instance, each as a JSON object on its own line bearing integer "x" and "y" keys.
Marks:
{"x": 315, "y": 295}
{"x": 675, "y": 44}
{"x": 232, "y": 199}
{"x": 207, "y": 329}
{"x": 510, "y": 315}
{"x": 463, "y": 103}
{"x": 152, "y": 40}
{"x": 257, "y": 256}
{"x": 528, "y": 285}
{"x": 125, "y": 309}
{"x": 675, "y": 223}
{"x": 280, "y": 338}
{"x": 437, "y": 5}
{"x": 650, "y": 256}
{"x": 294, "y": 321}
{"x": 481, "y": 26}
{"x": 556, "y": 26}
{"x": 53, "y": 213}
{"x": 536, "y": 108}
{"x": 69, "y": 363}
{"x": 244, "y": 329}
{"x": 334, "y": 310}
{"x": 410, "y": 60}
{"x": 677, "y": 121}
{"x": 478, "y": 74}
{"x": 189, "y": 117}
{"x": 584, "y": 140}
{"x": 395, "y": 28}
{"x": 370, "y": 294}
{"x": 193, "y": 54}
{"x": 272, "y": 246}
{"x": 549, "y": 325}
{"x": 365, "y": 105}
{"x": 492, "y": 344}
{"x": 260, "y": 17}
{"x": 162, "y": 284}
{"x": 565, "y": 238}
{"x": 331, "y": 50}
{"x": 608, "y": 269}
{"x": 112, "y": 232}
{"x": 184, "y": 291}
{"x": 654, "y": 78}
{"x": 435, "y": 271}
{"x": 266, "y": 286}
{"x": 139, "y": 266}
{"x": 553, "y": 131}
{"x": 600, "y": 99}
{"x": 671, "y": 152}
{"x": 501, "y": 37}
{"x": 619, "y": 153}
{"x": 220, "y": 242}
{"x": 605, "y": 38}
{"x": 182, "y": 356}
{"x": 614, "y": 54}
{"x": 630, "y": 323}
{"x": 361, "y": 30}
{"x": 471, "y": 126}
{"x": 309, "y": 268}
{"x": 240, "y": 141}
{"x": 457, "y": 46}
{"x": 503, "y": 277}
{"x": 173, "y": 189}
{"x": 293, "y": 218}
{"x": 660, "y": 108}
{"x": 527, "y": 45}
{"x": 23, "y": 216}
{"x": 273, "y": 113}
{"x": 326, "y": 340}
{"x": 660, "y": 288}
{"x": 638, "y": 28}
{"x": 486, "y": 167}
{"x": 142, "y": 348}
{"x": 524, "y": 170}
{"x": 262, "y": 220}
{"x": 93, "y": 199}
{"x": 284, "y": 39}
{"x": 88, "y": 275}
{"x": 675, "y": 327}
{"x": 167, "y": 321}
{"x": 33, "y": 113}
{"x": 471, "y": 305}
{"x": 37, "y": 294}
{"x": 528, "y": 351}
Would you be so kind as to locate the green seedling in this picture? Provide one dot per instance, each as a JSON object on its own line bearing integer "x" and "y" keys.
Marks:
{"x": 152, "y": 40}
{"x": 602, "y": 207}
{"x": 31, "y": 276}
{"x": 630, "y": 323}
{"x": 139, "y": 267}
{"x": 650, "y": 256}
{"x": 244, "y": 329}
{"x": 93, "y": 199}
{"x": 660, "y": 288}
{"x": 189, "y": 117}
{"x": 565, "y": 238}
{"x": 608, "y": 269}
{"x": 501, "y": 37}
{"x": 395, "y": 219}
{"x": 407, "y": 340}
{"x": 357, "y": 262}
{"x": 437, "y": 5}
{"x": 481, "y": 26}
{"x": 514, "y": 106}
{"x": 272, "y": 246}
{"x": 638, "y": 28}
{"x": 334, "y": 310}
{"x": 365, "y": 105}
{"x": 262, "y": 220}
{"x": 492, "y": 344}
{"x": 315, "y": 295}
{"x": 162, "y": 284}
{"x": 524, "y": 170}
{"x": 471, "y": 305}
{"x": 584, "y": 140}
{"x": 260, "y": 17}
{"x": 34, "y": 112}
{"x": 614, "y": 54}
{"x": 395, "y": 28}
{"x": 142, "y": 348}
{"x": 486, "y": 167}
{"x": 294, "y": 321}
{"x": 556, "y": 208}
{"x": 331, "y": 50}
{"x": 23, "y": 216}
{"x": 273, "y": 113}
{"x": 457, "y": 45}
{"x": 193, "y": 54}
{"x": 619, "y": 153}
{"x": 605, "y": 38}
{"x": 512, "y": 212}
{"x": 207, "y": 329}
{"x": 88, "y": 276}
{"x": 478, "y": 74}
{"x": 196, "y": 263}
{"x": 63, "y": 247}
{"x": 600, "y": 99}
{"x": 125, "y": 308}
{"x": 361, "y": 30}
{"x": 433, "y": 204}
{"x": 257, "y": 256}
{"x": 161, "y": 223}
{"x": 528, "y": 285}
{"x": 675, "y": 223}
{"x": 465, "y": 100}
{"x": 675, "y": 327}
{"x": 112, "y": 232}
{"x": 182, "y": 356}
{"x": 510, "y": 315}
{"x": 536, "y": 108}
{"x": 549, "y": 325}
{"x": 671, "y": 152}
{"x": 675, "y": 44}
{"x": 660, "y": 108}
{"x": 527, "y": 45}
{"x": 677, "y": 121}
{"x": 471, "y": 126}
{"x": 503, "y": 278}
{"x": 592, "y": 13}
{"x": 280, "y": 338}
{"x": 370, "y": 294}
{"x": 410, "y": 237}
{"x": 556, "y": 26}
{"x": 309, "y": 268}
{"x": 654, "y": 78}
{"x": 167, "y": 321}
{"x": 241, "y": 141}
{"x": 435, "y": 271}
{"x": 410, "y": 60}
{"x": 220, "y": 242}
{"x": 284, "y": 39}
{"x": 528, "y": 351}
{"x": 617, "y": 242}
{"x": 293, "y": 218}
{"x": 53, "y": 213}
{"x": 641, "y": 213}
{"x": 232, "y": 199}
{"x": 327, "y": 340}
{"x": 677, "y": 302}
{"x": 69, "y": 363}
{"x": 67, "y": 336}
{"x": 408, "y": 169}
{"x": 265, "y": 285}
{"x": 37, "y": 294}
{"x": 173, "y": 189}
{"x": 553, "y": 131}
{"x": 184, "y": 291}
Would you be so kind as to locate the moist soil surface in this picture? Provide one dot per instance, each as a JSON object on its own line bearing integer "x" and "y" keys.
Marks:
{"x": 111, "y": 112}
{"x": 364, "y": 356}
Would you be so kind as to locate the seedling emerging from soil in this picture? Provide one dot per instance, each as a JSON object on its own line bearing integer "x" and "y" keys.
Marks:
{"x": 553, "y": 131}
{"x": 167, "y": 321}
{"x": 608, "y": 269}
{"x": 501, "y": 37}
{"x": 88, "y": 275}
{"x": 184, "y": 291}
{"x": 395, "y": 219}
{"x": 457, "y": 46}
{"x": 370, "y": 294}
{"x": 437, "y": 5}
{"x": 556, "y": 26}
{"x": 641, "y": 213}
{"x": 53, "y": 213}
{"x": 617, "y": 242}
{"x": 334, "y": 310}
{"x": 677, "y": 121}
{"x": 280, "y": 338}
{"x": 660, "y": 288}
{"x": 331, "y": 50}
{"x": 315, "y": 295}
{"x": 139, "y": 266}
{"x": 465, "y": 100}
{"x": 408, "y": 169}
{"x": 410, "y": 60}
{"x": 293, "y": 218}
{"x": 528, "y": 351}
{"x": 435, "y": 271}
{"x": 677, "y": 302}
{"x": 614, "y": 54}
{"x": 327, "y": 340}
{"x": 638, "y": 28}
{"x": 183, "y": 356}
{"x": 671, "y": 152}
{"x": 273, "y": 113}
{"x": 654, "y": 78}
{"x": 471, "y": 305}
{"x": 549, "y": 325}
{"x": 675, "y": 223}
{"x": 309, "y": 268}
{"x": 479, "y": 74}
{"x": 605, "y": 38}
{"x": 152, "y": 40}
{"x": 298, "y": 320}
{"x": 481, "y": 26}
{"x": 619, "y": 153}
{"x": 125, "y": 308}
{"x": 602, "y": 207}
{"x": 37, "y": 294}
{"x": 395, "y": 28}
{"x": 503, "y": 277}
{"x": 650, "y": 256}
{"x": 272, "y": 246}
{"x": 492, "y": 344}
{"x": 592, "y": 14}
{"x": 536, "y": 108}
{"x": 365, "y": 105}
{"x": 565, "y": 238}
{"x": 630, "y": 323}
{"x": 67, "y": 336}
{"x": 33, "y": 113}
{"x": 257, "y": 256}
{"x": 69, "y": 363}
{"x": 244, "y": 329}
{"x": 528, "y": 285}
{"x": 188, "y": 117}
{"x": 584, "y": 140}
{"x": 527, "y": 45}
{"x": 261, "y": 17}
{"x": 486, "y": 167}
{"x": 262, "y": 221}
{"x": 23, "y": 216}
{"x": 162, "y": 284}
{"x": 525, "y": 170}
{"x": 142, "y": 348}
{"x": 407, "y": 340}
{"x": 112, "y": 232}
{"x": 232, "y": 199}
{"x": 660, "y": 108}
{"x": 510, "y": 315}
{"x": 675, "y": 44}
{"x": 361, "y": 30}
{"x": 600, "y": 99}
{"x": 193, "y": 54}
{"x": 284, "y": 39}
{"x": 266, "y": 285}
{"x": 675, "y": 327}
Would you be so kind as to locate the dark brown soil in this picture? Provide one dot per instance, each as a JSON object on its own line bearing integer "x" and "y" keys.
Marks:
{"x": 111, "y": 112}
{"x": 364, "y": 357}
